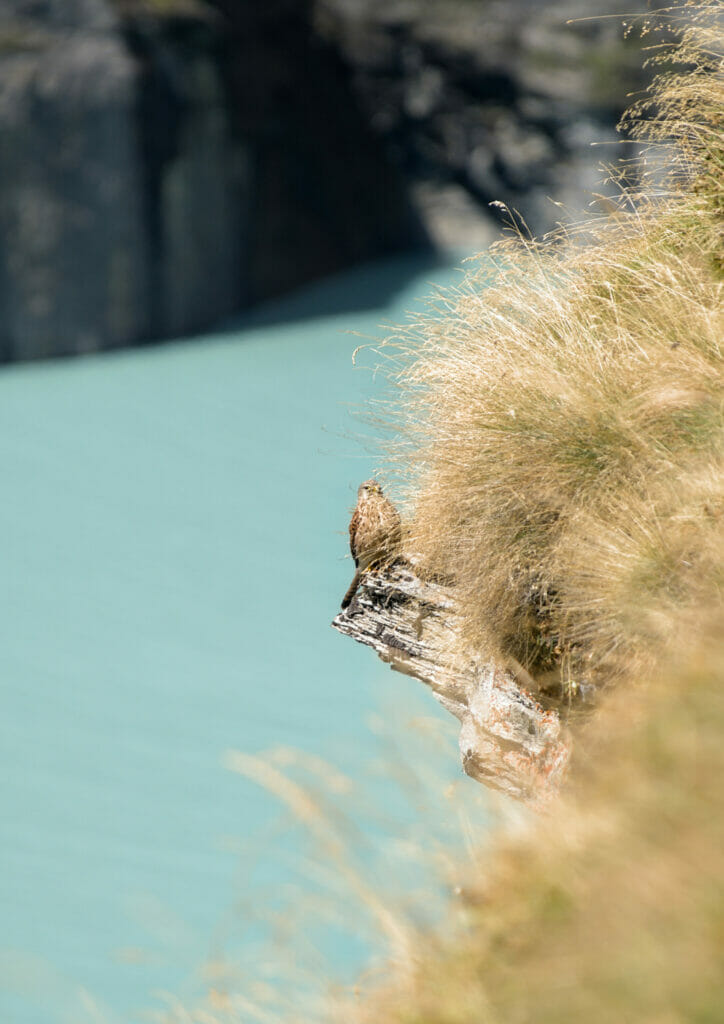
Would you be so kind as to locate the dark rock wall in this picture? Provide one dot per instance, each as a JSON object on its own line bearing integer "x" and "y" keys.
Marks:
{"x": 123, "y": 193}
{"x": 164, "y": 163}
{"x": 73, "y": 264}
{"x": 490, "y": 100}
{"x": 325, "y": 195}
{"x": 196, "y": 173}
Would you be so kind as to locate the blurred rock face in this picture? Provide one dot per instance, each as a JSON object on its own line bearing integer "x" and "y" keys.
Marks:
{"x": 164, "y": 163}
{"x": 73, "y": 264}
{"x": 106, "y": 240}
{"x": 325, "y": 194}
{"x": 489, "y": 100}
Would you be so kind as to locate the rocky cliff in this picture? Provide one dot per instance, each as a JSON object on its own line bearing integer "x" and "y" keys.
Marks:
{"x": 121, "y": 206}
{"x": 482, "y": 101}
{"x": 164, "y": 163}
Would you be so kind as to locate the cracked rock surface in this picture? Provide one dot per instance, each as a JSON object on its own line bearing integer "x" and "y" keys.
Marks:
{"x": 507, "y": 740}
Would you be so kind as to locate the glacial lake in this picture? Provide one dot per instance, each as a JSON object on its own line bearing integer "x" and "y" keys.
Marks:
{"x": 174, "y": 548}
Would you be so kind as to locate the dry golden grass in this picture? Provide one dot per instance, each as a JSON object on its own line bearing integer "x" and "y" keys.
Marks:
{"x": 560, "y": 427}
{"x": 612, "y": 909}
{"x": 560, "y": 433}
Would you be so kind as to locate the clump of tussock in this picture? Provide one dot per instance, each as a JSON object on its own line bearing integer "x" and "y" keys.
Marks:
{"x": 559, "y": 419}
{"x": 611, "y": 908}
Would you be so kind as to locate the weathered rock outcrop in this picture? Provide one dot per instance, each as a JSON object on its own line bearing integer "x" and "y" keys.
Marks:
{"x": 507, "y": 740}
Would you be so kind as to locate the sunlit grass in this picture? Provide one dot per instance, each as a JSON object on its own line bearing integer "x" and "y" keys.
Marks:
{"x": 612, "y": 908}
{"x": 550, "y": 421}
{"x": 559, "y": 435}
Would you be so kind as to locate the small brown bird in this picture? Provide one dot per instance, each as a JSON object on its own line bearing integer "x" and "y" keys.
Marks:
{"x": 374, "y": 532}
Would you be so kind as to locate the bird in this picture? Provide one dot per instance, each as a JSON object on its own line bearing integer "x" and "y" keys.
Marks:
{"x": 375, "y": 532}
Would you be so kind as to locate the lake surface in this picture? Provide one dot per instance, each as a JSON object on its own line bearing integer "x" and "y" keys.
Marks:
{"x": 173, "y": 533}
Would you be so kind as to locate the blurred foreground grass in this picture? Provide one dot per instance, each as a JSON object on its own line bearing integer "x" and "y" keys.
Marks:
{"x": 612, "y": 908}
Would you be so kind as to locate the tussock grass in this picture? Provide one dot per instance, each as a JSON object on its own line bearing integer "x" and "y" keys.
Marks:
{"x": 612, "y": 908}
{"x": 560, "y": 428}
{"x": 559, "y": 432}
{"x": 562, "y": 438}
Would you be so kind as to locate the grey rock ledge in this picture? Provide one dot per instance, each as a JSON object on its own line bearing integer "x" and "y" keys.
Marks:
{"x": 507, "y": 740}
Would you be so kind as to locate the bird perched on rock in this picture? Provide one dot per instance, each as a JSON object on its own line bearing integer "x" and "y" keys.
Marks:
{"x": 374, "y": 532}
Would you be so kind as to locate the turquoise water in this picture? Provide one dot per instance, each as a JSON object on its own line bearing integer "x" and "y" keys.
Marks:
{"x": 164, "y": 512}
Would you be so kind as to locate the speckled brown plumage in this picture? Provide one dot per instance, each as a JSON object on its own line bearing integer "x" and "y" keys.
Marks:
{"x": 374, "y": 532}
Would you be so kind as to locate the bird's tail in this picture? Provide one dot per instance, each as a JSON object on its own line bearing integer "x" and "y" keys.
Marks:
{"x": 346, "y": 600}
